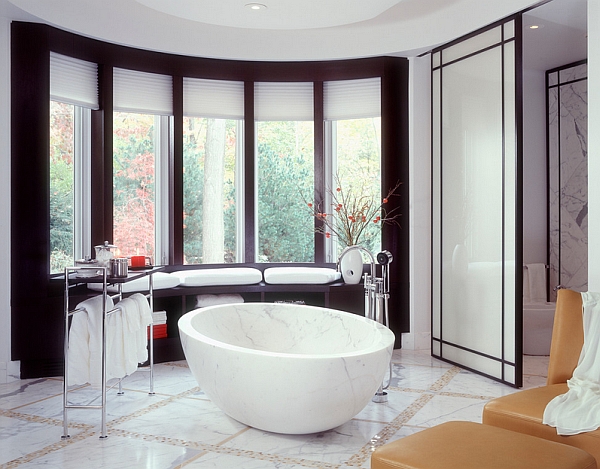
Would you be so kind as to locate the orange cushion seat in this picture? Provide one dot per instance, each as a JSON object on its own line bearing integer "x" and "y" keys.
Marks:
{"x": 466, "y": 445}
{"x": 523, "y": 412}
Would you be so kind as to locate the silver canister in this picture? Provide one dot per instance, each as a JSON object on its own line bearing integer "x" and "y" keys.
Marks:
{"x": 118, "y": 267}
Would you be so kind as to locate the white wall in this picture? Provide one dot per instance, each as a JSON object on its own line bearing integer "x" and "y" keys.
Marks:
{"x": 8, "y": 370}
{"x": 593, "y": 145}
{"x": 534, "y": 167}
{"x": 419, "y": 217}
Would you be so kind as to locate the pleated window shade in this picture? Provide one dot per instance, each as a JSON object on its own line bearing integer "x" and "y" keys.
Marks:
{"x": 218, "y": 99}
{"x": 142, "y": 92}
{"x": 283, "y": 101}
{"x": 73, "y": 81}
{"x": 352, "y": 99}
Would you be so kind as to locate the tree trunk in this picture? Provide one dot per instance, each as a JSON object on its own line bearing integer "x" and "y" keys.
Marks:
{"x": 213, "y": 229}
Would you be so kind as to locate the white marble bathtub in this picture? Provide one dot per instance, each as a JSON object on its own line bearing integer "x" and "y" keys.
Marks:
{"x": 286, "y": 368}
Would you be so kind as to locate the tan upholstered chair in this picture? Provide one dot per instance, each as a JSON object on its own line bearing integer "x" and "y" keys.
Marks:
{"x": 522, "y": 411}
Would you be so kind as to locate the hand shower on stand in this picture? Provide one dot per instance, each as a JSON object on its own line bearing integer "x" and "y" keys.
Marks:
{"x": 377, "y": 294}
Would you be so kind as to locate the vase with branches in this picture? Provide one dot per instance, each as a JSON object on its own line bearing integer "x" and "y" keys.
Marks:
{"x": 353, "y": 216}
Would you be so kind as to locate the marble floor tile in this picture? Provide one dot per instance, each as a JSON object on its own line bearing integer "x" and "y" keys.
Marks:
{"x": 467, "y": 383}
{"x": 114, "y": 452}
{"x": 333, "y": 446}
{"x": 444, "y": 408}
{"x": 26, "y": 391}
{"x": 179, "y": 427}
{"x": 184, "y": 419}
{"x": 415, "y": 377}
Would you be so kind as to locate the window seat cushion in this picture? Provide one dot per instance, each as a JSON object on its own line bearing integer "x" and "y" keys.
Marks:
{"x": 301, "y": 275}
{"x": 160, "y": 281}
{"x": 218, "y": 276}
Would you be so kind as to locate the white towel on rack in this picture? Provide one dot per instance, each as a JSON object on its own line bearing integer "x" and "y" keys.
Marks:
{"x": 578, "y": 410}
{"x": 130, "y": 347}
{"x": 145, "y": 315}
{"x": 85, "y": 342}
{"x": 537, "y": 282}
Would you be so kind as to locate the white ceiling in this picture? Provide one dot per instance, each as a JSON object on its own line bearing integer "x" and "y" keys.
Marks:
{"x": 287, "y": 29}
{"x": 561, "y": 38}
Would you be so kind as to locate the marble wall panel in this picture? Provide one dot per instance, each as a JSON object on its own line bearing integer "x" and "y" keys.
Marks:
{"x": 568, "y": 182}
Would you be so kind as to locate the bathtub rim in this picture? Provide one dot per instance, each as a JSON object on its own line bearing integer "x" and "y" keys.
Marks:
{"x": 385, "y": 337}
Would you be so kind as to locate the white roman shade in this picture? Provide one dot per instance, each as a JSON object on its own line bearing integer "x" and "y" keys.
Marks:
{"x": 73, "y": 81}
{"x": 352, "y": 99}
{"x": 283, "y": 101}
{"x": 141, "y": 92}
{"x": 218, "y": 99}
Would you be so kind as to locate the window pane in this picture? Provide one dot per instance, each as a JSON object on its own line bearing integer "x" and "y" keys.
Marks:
{"x": 61, "y": 185}
{"x": 285, "y": 173}
{"x": 133, "y": 178}
{"x": 209, "y": 190}
{"x": 358, "y": 150}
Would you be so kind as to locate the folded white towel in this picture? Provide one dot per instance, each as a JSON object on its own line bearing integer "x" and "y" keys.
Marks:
{"x": 85, "y": 342}
{"x": 202, "y": 301}
{"x": 135, "y": 315}
{"x": 578, "y": 410}
{"x": 126, "y": 339}
{"x": 536, "y": 278}
{"x": 145, "y": 317}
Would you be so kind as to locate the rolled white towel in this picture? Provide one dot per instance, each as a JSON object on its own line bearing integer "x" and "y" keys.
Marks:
{"x": 203, "y": 301}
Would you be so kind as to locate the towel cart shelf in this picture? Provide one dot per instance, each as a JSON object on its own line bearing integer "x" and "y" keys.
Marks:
{"x": 82, "y": 275}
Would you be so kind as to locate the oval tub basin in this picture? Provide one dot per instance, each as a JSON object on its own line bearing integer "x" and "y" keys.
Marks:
{"x": 286, "y": 368}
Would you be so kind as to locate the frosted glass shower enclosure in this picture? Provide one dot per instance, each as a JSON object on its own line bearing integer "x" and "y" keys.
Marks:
{"x": 477, "y": 227}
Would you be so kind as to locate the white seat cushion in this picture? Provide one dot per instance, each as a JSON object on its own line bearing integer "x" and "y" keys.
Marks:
{"x": 302, "y": 275}
{"x": 218, "y": 276}
{"x": 160, "y": 280}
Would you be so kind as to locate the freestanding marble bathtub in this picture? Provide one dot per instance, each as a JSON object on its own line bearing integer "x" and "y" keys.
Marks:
{"x": 286, "y": 368}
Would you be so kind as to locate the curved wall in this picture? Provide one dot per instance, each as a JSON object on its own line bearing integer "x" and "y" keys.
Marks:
{"x": 36, "y": 301}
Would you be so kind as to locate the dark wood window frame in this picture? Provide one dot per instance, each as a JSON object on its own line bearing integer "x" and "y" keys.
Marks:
{"x": 36, "y": 303}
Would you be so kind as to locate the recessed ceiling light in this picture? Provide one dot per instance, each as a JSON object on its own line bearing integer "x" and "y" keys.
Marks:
{"x": 536, "y": 26}
{"x": 256, "y": 6}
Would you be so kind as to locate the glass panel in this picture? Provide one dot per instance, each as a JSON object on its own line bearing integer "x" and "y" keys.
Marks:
{"x": 567, "y": 154}
{"x": 510, "y": 203}
{"x": 472, "y": 196}
{"x": 574, "y": 185}
{"x": 509, "y": 30}
{"x": 436, "y": 59}
{"x": 477, "y": 362}
{"x": 553, "y": 190}
{"x": 209, "y": 191}
{"x": 509, "y": 373}
{"x": 436, "y": 204}
{"x": 474, "y": 44}
{"x": 553, "y": 78}
{"x": 285, "y": 172}
{"x": 62, "y": 167}
{"x": 436, "y": 348}
{"x": 474, "y": 174}
{"x": 133, "y": 178}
